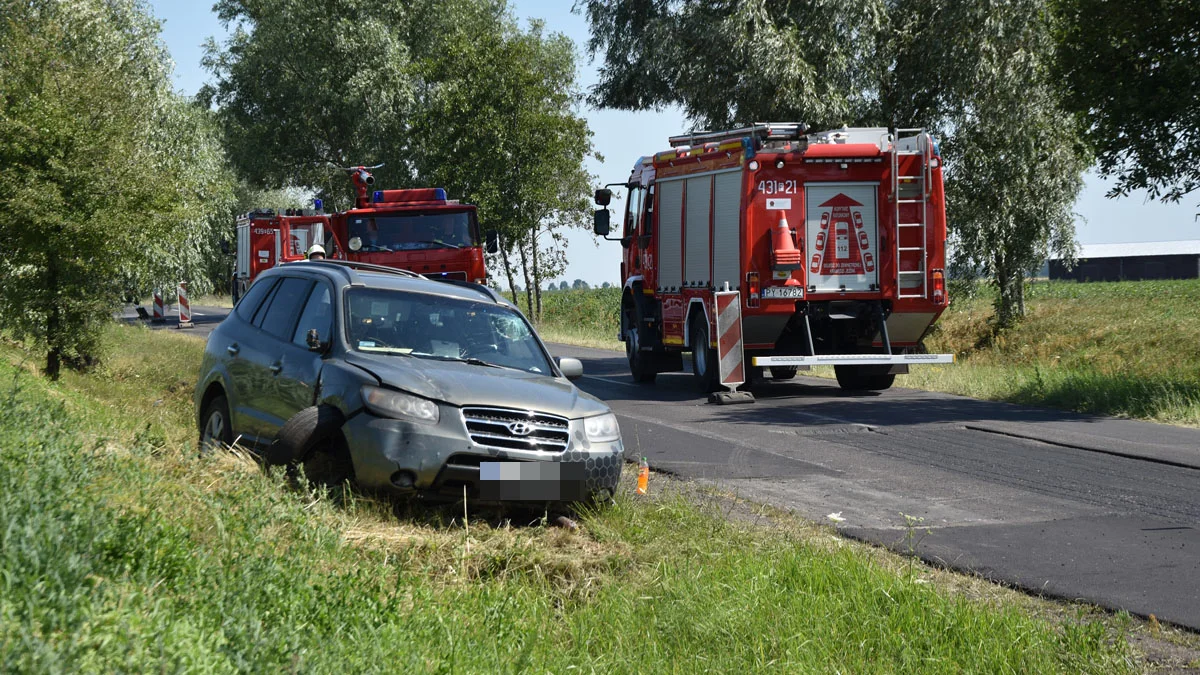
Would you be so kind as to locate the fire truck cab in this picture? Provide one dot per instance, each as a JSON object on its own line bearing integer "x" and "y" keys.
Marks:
{"x": 417, "y": 229}
{"x": 835, "y": 241}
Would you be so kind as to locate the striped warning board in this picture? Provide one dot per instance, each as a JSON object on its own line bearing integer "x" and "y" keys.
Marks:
{"x": 185, "y": 306}
{"x": 732, "y": 370}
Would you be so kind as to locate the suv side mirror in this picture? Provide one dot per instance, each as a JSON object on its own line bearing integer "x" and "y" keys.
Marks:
{"x": 313, "y": 340}
{"x": 571, "y": 369}
{"x": 493, "y": 242}
{"x": 603, "y": 197}
{"x": 600, "y": 223}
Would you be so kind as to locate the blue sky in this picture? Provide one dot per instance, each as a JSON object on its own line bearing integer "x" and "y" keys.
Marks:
{"x": 621, "y": 137}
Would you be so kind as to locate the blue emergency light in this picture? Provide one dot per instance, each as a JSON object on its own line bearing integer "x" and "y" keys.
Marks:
{"x": 439, "y": 194}
{"x": 378, "y": 196}
{"x": 318, "y": 204}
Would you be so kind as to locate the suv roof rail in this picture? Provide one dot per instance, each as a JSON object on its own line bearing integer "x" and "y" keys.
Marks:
{"x": 479, "y": 288}
{"x": 350, "y": 267}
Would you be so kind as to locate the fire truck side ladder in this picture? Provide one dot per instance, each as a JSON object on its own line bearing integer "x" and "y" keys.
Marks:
{"x": 920, "y": 180}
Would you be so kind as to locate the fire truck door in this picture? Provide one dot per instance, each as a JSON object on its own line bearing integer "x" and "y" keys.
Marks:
{"x": 842, "y": 232}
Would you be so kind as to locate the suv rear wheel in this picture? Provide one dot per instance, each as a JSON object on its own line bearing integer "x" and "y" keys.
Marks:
{"x": 215, "y": 430}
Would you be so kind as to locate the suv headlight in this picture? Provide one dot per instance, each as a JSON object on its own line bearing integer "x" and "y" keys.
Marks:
{"x": 602, "y": 428}
{"x": 391, "y": 403}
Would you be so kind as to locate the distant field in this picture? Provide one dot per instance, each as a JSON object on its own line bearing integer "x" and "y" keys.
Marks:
{"x": 1125, "y": 348}
{"x": 124, "y": 550}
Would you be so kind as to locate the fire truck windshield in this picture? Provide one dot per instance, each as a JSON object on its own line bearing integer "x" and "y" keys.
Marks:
{"x": 414, "y": 231}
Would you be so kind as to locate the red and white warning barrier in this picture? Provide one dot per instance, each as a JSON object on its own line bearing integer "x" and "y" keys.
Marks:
{"x": 185, "y": 307}
{"x": 731, "y": 370}
{"x": 159, "y": 314}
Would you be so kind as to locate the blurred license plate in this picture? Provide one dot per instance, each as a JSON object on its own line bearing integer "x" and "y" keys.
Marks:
{"x": 796, "y": 292}
{"x": 532, "y": 481}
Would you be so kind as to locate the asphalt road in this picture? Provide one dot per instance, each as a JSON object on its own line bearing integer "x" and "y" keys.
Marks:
{"x": 1071, "y": 506}
{"x": 1085, "y": 508}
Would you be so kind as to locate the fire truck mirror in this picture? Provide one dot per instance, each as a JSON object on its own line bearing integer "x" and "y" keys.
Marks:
{"x": 603, "y": 197}
{"x": 493, "y": 241}
{"x": 225, "y": 246}
{"x": 600, "y": 223}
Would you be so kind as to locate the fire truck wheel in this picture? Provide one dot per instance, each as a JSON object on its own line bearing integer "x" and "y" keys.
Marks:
{"x": 783, "y": 372}
{"x": 641, "y": 363}
{"x": 704, "y": 357}
{"x": 864, "y": 378}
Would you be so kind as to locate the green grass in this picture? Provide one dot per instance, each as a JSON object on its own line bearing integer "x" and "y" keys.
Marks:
{"x": 1129, "y": 349}
{"x": 122, "y": 549}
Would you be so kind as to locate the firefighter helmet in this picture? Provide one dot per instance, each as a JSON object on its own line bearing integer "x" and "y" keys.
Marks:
{"x": 316, "y": 250}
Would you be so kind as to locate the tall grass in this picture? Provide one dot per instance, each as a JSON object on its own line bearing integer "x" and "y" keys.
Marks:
{"x": 122, "y": 549}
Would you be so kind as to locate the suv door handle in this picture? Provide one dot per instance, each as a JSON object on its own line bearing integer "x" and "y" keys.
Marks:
{"x": 233, "y": 349}
{"x": 276, "y": 368}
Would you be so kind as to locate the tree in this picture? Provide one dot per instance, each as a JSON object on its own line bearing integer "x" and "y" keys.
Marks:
{"x": 496, "y": 123}
{"x": 579, "y": 285}
{"x": 960, "y": 69}
{"x": 562, "y": 285}
{"x": 606, "y": 285}
{"x": 303, "y": 87}
{"x": 106, "y": 176}
{"x": 1129, "y": 71}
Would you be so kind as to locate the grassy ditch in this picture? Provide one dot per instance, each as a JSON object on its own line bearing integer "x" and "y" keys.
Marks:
{"x": 1128, "y": 348}
{"x": 123, "y": 550}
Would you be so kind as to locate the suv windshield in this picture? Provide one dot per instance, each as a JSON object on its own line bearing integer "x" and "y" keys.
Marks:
{"x": 436, "y": 327}
{"x": 413, "y": 232}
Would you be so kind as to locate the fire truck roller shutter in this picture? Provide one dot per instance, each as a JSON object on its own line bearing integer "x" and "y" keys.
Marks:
{"x": 727, "y": 241}
{"x": 670, "y": 231}
{"x": 243, "y": 248}
{"x": 696, "y": 260}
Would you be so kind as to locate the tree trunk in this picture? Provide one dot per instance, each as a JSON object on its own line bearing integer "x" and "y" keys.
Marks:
{"x": 53, "y": 318}
{"x": 537, "y": 277}
{"x": 528, "y": 290}
{"x": 1010, "y": 300}
{"x": 512, "y": 286}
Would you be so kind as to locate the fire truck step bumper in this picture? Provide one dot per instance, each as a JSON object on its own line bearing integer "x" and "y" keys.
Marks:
{"x": 852, "y": 360}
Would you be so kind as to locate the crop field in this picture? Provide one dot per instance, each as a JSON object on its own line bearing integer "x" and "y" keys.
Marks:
{"x": 123, "y": 549}
{"x": 1129, "y": 349}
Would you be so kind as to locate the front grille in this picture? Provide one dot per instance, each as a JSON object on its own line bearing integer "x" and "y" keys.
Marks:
{"x": 503, "y": 427}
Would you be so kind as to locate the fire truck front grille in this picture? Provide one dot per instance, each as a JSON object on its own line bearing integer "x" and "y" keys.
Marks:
{"x": 517, "y": 429}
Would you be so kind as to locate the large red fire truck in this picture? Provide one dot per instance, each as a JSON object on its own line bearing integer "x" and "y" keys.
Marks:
{"x": 835, "y": 243}
{"x": 418, "y": 230}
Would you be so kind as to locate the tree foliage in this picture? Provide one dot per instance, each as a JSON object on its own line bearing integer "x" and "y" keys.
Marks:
{"x": 106, "y": 176}
{"x": 1130, "y": 72}
{"x": 977, "y": 74}
{"x": 302, "y": 87}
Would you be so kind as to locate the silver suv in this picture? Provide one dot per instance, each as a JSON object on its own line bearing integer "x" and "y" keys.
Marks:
{"x": 403, "y": 383}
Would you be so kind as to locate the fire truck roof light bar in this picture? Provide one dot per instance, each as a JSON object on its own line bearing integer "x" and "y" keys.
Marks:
{"x": 852, "y": 359}
{"x": 770, "y": 131}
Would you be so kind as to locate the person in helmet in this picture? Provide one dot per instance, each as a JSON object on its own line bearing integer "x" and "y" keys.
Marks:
{"x": 316, "y": 252}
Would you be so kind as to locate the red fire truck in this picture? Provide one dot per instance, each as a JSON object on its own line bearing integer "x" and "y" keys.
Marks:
{"x": 418, "y": 230}
{"x": 835, "y": 243}
{"x": 266, "y": 238}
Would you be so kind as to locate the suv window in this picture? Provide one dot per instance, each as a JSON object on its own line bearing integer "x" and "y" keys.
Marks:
{"x": 253, "y": 298}
{"x": 280, "y": 316}
{"x": 318, "y": 314}
{"x": 431, "y": 326}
